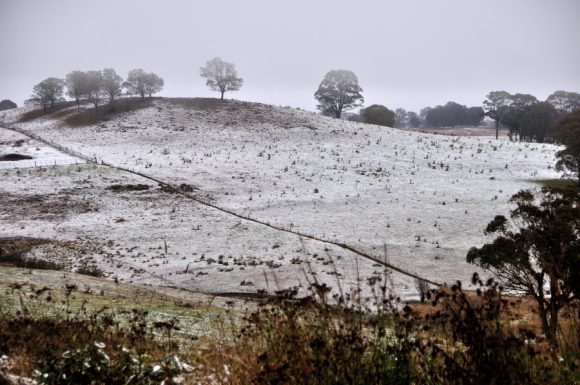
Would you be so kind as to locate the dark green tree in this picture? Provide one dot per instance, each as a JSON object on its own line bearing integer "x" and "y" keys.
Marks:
{"x": 339, "y": 91}
{"x": 536, "y": 123}
{"x": 520, "y": 105}
{"x": 379, "y": 115}
{"x": 496, "y": 106}
{"x": 567, "y": 131}
{"x": 537, "y": 250}
{"x": 452, "y": 115}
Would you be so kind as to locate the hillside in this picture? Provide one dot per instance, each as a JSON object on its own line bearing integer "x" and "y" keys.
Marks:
{"x": 421, "y": 199}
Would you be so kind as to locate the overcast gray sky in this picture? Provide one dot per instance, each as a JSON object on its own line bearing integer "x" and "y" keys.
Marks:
{"x": 406, "y": 53}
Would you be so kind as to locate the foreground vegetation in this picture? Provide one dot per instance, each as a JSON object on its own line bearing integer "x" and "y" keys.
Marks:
{"x": 70, "y": 335}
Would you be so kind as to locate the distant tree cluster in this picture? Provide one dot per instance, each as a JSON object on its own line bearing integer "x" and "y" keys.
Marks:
{"x": 527, "y": 118}
{"x": 453, "y": 115}
{"x": 96, "y": 87}
{"x": 407, "y": 119}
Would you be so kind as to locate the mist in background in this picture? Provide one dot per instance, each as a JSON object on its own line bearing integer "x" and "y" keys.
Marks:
{"x": 408, "y": 54}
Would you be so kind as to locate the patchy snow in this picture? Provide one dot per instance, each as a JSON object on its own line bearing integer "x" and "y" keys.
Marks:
{"x": 423, "y": 199}
{"x": 41, "y": 156}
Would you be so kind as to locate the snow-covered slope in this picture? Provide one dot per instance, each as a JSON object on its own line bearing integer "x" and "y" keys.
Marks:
{"x": 424, "y": 199}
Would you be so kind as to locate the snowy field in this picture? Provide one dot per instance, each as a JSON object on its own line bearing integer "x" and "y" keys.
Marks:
{"x": 422, "y": 200}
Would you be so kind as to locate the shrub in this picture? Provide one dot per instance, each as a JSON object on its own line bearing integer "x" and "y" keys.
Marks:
{"x": 378, "y": 114}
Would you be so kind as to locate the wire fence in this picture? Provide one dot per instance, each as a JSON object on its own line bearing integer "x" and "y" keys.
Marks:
{"x": 382, "y": 260}
{"x": 35, "y": 163}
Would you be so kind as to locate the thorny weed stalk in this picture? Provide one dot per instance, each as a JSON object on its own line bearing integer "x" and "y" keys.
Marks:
{"x": 46, "y": 336}
{"x": 346, "y": 338}
{"x": 351, "y": 335}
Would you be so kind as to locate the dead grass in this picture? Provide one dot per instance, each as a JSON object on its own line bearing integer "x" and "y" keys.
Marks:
{"x": 38, "y": 112}
{"x": 236, "y": 113}
{"x": 90, "y": 116}
{"x": 202, "y": 104}
{"x": 459, "y": 131}
{"x": 42, "y": 207}
{"x": 14, "y": 252}
{"x": 287, "y": 340}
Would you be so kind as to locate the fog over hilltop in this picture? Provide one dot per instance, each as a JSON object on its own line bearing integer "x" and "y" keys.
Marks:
{"x": 407, "y": 54}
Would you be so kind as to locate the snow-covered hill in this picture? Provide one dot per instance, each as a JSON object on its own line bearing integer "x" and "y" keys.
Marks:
{"x": 421, "y": 199}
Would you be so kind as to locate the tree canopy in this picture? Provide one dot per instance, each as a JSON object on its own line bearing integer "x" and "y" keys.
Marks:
{"x": 496, "y": 106}
{"x": 142, "y": 83}
{"x": 47, "y": 92}
{"x": 95, "y": 87}
{"x": 568, "y": 133}
{"x": 77, "y": 86}
{"x": 564, "y": 102}
{"x": 221, "y": 76}
{"x": 339, "y": 91}
{"x": 379, "y": 115}
{"x": 541, "y": 246}
{"x": 452, "y": 115}
{"x": 153, "y": 84}
{"x": 536, "y": 123}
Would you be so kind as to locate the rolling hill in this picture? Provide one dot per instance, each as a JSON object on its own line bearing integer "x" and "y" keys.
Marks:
{"x": 419, "y": 201}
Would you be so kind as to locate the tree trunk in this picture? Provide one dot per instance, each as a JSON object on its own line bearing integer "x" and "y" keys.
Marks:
{"x": 554, "y": 309}
{"x": 497, "y": 128}
{"x": 78, "y": 103}
{"x": 222, "y": 98}
{"x": 543, "y": 317}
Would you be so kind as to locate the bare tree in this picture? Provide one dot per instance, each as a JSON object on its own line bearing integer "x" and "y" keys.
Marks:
{"x": 47, "y": 92}
{"x": 76, "y": 86}
{"x": 113, "y": 85}
{"x": 221, "y": 76}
